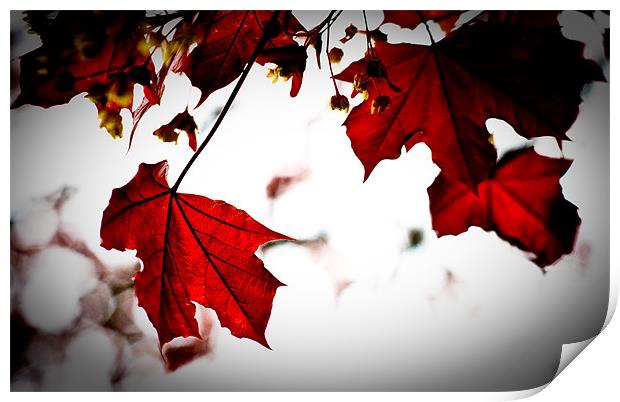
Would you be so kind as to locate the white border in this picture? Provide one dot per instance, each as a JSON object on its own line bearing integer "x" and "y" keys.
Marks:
{"x": 592, "y": 377}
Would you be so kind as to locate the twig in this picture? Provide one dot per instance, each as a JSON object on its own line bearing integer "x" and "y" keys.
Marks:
{"x": 259, "y": 47}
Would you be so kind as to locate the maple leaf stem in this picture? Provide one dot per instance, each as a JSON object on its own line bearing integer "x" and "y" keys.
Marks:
{"x": 430, "y": 35}
{"x": 322, "y": 27}
{"x": 259, "y": 47}
{"x": 368, "y": 42}
{"x": 374, "y": 84}
{"x": 329, "y": 62}
{"x": 107, "y": 79}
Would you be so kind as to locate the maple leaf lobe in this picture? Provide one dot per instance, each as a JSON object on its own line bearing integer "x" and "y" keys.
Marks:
{"x": 181, "y": 122}
{"x": 97, "y": 53}
{"x": 528, "y": 76}
{"x": 193, "y": 249}
{"x": 521, "y": 201}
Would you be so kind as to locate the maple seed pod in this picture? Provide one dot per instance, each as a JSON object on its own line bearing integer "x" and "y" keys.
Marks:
{"x": 335, "y": 55}
{"x": 379, "y": 104}
{"x": 155, "y": 39}
{"x": 350, "y": 30}
{"x": 285, "y": 72}
{"x": 339, "y": 102}
{"x": 349, "y": 33}
{"x": 360, "y": 85}
{"x": 491, "y": 139}
{"x": 416, "y": 236}
{"x": 374, "y": 68}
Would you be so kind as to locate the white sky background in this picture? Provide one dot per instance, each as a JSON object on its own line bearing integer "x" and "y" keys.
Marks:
{"x": 501, "y": 325}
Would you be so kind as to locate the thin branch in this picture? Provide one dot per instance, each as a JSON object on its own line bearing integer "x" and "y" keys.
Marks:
{"x": 259, "y": 47}
{"x": 368, "y": 42}
{"x": 329, "y": 62}
{"x": 430, "y": 35}
{"x": 323, "y": 26}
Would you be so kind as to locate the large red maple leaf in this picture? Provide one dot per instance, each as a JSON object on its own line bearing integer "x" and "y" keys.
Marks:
{"x": 529, "y": 76}
{"x": 194, "y": 250}
{"x": 521, "y": 201}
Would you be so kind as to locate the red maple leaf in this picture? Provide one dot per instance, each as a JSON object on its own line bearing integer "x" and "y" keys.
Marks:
{"x": 101, "y": 54}
{"x": 227, "y": 41}
{"x": 530, "y": 77}
{"x": 521, "y": 201}
{"x": 193, "y": 249}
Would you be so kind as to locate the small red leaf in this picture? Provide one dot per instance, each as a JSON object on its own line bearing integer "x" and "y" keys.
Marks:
{"x": 193, "y": 249}
{"x": 290, "y": 61}
{"x": 521, "y": 201}
{"x": 280, "y": 184}
{"x": 181, "y": 122}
